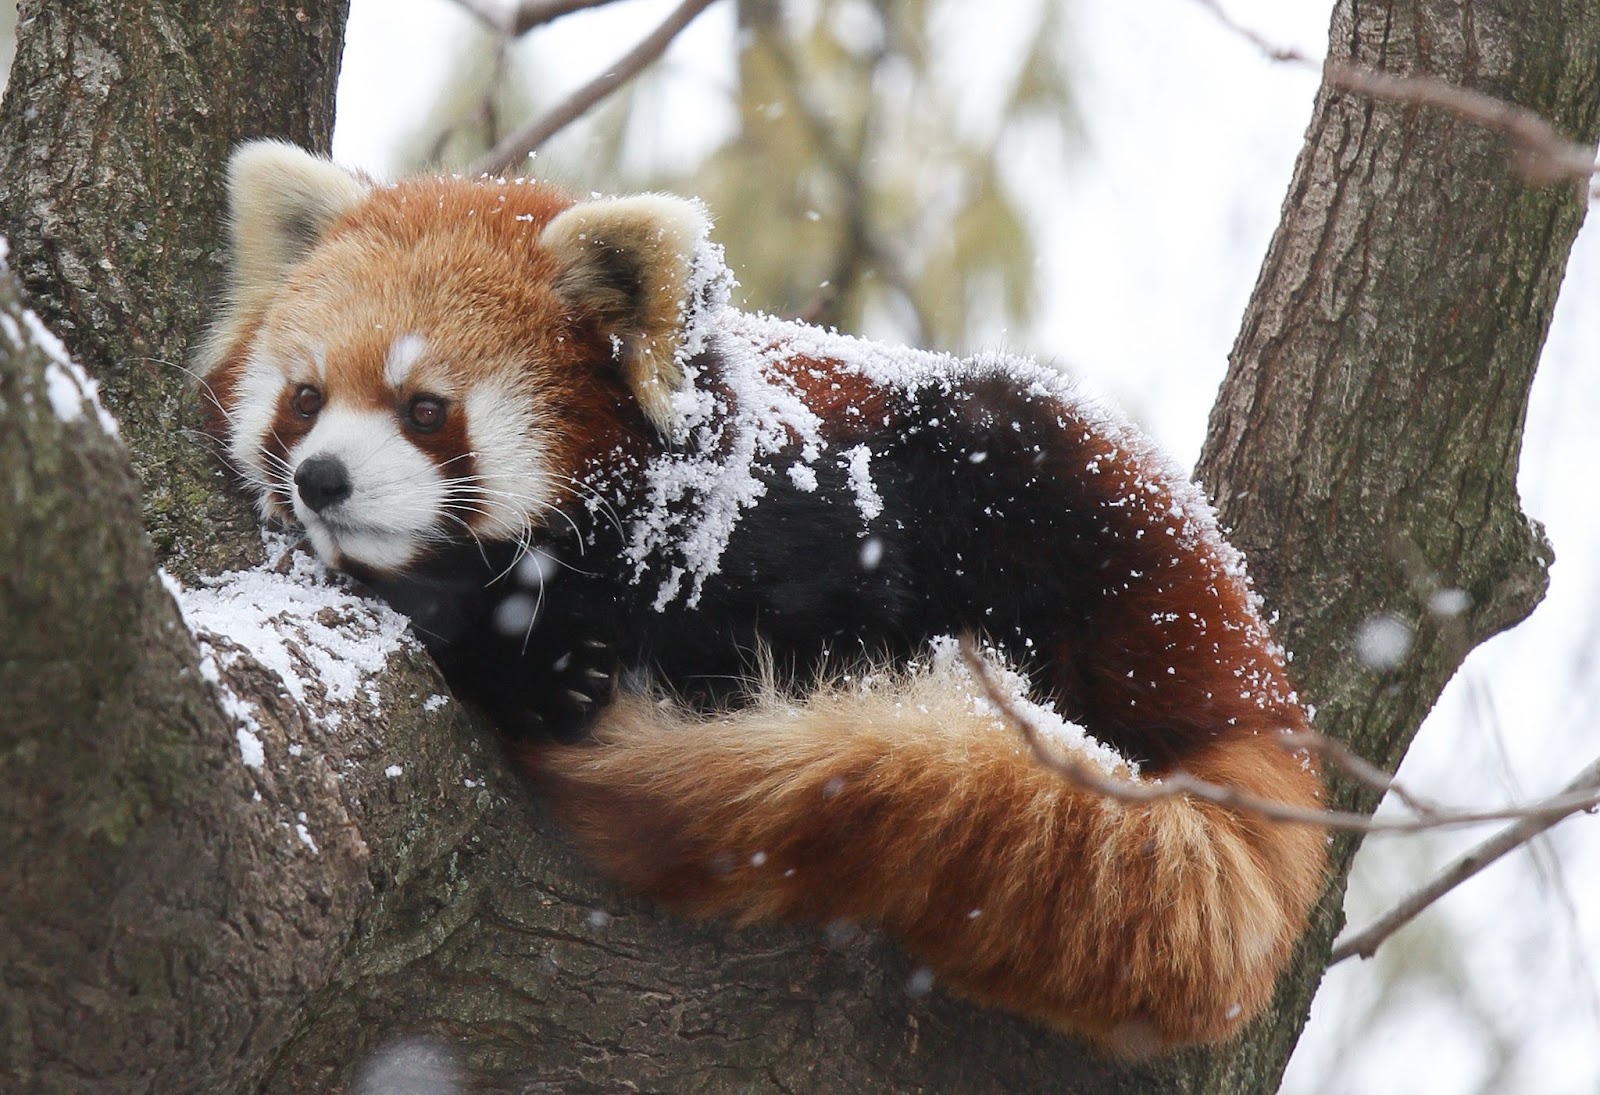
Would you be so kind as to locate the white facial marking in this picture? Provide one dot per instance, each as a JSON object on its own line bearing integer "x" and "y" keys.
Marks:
{"x": 403, "y": 354}
{"x": 397, "y": 495}
{"x": 513, "y": 481}
{"x": 255, "y": 407}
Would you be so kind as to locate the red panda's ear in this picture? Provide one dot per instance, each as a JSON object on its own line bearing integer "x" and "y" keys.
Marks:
{"x": 280, "y": 201}
{"x": 626, "y": 262}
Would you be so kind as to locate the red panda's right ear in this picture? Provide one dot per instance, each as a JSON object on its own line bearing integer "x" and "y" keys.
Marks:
{"x": 281, "y": 199}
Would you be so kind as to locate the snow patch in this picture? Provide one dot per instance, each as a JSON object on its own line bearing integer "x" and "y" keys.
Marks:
{"x": 298, "y": 620}
{"x": 67, "y": 386}
{"x": 858, "y": 465}
{"x": 250, "y": 748}
{"x": 1383, "y": 641}
{"x": 945, "y": 659}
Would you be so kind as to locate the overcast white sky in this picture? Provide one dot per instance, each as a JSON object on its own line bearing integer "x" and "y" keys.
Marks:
{"x": 1151, "y": 243}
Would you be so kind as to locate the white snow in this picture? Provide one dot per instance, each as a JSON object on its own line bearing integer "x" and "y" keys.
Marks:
{"x": 298, "y": 620}
{"x": 871, "y": 553}
{"x": 1449, "y": 602}
{"x": 1383, "y": 641}
{"x": 66, "y": 398}
{"x": 305, "y": 835}
{"x": 732, "y": 429}
{"x": 858, "y": 465}
{"x": 945, "y": 660}
{"x": 67, "y": 387}
{"x": 804, "y": 477}
{"x": 250, "y": 748}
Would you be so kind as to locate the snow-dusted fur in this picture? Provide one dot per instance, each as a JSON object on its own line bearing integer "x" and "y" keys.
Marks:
{"x": 538, "y": 427}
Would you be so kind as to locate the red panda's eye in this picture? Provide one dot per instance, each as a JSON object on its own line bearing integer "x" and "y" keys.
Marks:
{"x": 307, "y": 401}
{"x": 426, "y": 413}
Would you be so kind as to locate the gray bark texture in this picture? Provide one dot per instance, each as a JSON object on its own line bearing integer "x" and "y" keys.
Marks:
{"x": 163, "y": 925}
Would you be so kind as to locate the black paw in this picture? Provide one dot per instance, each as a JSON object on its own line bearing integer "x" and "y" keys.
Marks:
{"x": 577, "y": 684}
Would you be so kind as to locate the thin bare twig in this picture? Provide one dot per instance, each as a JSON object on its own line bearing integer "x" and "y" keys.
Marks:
{"x": 487, "y": 112}
{"x": 863, "y": 245}
{"x": 519, "y": 20}
{"x": 1365, "y": 942}
{"x": 518, "y": 146}
{"x": 1545, "y": 156}
{"x": 1176, "y": 784}
{"x": 1360, "y": 769}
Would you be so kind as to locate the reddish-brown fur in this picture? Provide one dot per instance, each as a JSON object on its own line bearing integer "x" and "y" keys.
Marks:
{"x": 1140, "y": 927}
{"x": 465, "y": 261}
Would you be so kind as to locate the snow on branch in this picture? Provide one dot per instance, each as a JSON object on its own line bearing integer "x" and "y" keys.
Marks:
{"x": 1544, "y": 156}
{"x": 1575, "y": 799}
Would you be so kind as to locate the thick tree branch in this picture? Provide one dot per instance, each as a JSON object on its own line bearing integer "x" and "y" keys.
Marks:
{"x": 1370, "y": 420}
{"x": 116, "y": 125}
{"x": 1364, "y": 445}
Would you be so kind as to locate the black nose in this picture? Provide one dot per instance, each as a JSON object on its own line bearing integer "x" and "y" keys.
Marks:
{"x": 322, "y": 482}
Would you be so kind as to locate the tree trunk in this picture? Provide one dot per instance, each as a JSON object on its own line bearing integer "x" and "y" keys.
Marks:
{"x": 114, "y": 133}
{"x": 1364, "y": 446}
{"x": 178, "y": 919}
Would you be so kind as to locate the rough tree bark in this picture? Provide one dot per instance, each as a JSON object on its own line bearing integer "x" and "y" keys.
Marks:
{"x": 1365, "y": 442}
{"x": 163, "y": 928}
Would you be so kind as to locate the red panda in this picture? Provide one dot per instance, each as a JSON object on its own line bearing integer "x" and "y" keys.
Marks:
{"x": 536, "y": 425}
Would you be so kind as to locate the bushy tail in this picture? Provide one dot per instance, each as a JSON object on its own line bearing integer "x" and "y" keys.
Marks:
{"x": 910, "y": 804}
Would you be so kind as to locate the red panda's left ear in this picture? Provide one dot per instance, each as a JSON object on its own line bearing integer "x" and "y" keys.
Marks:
{"x": 627, "y": 263}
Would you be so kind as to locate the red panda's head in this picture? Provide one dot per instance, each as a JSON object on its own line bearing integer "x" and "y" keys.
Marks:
{"x": 400, "y": 367}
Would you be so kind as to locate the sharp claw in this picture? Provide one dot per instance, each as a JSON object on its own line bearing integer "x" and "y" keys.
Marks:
{"x": 598, "y": 676}
{"x": 592, "y": 644}
{"x": 579, "y": 698}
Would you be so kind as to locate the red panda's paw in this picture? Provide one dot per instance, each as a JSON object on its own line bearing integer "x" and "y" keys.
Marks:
{"x": 575, "y": 682}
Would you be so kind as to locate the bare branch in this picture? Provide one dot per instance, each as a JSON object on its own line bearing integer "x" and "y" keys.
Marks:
{"x": 514, "y": 149}
{"x": 488, "y": 13}
{"x": 1544, "y": 155}
{"x": 1175, "y": 784}
{"x": 1361, "y": 770}
{"x": 519, "y": 20}
{"x": 487, "y": 112}
{"x": 1365, "y": 942}
{"x": 864, "y": 246}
